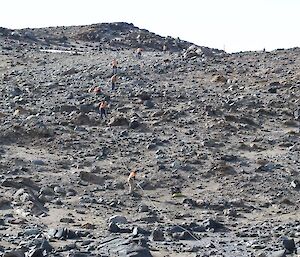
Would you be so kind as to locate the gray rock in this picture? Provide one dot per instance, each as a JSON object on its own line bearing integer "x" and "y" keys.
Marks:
{"x": 157, "y": 235}
{"x": 51, "y": 232}
{"x": 281, "y": 253}
{"x": 46, "y": 246}
{"x": 119, "y": 121}
{"x": 67, "y": 220}
{"x": 139, "y": 231}
{"x": 79, "y": 254}
{"x": 230, "y": 212}
{"x": 38, "y": 162}
{"x": 82, "y": 119}
{"x": 69, "y": 246}
{"x": 118, "y": 219}
{"x": 47, "y": 191}
{"x": 16, "y": 91}
{"x": 151, "y": 146}
{"x": 30, "y": 35}
{"x": 70, "y": 71}
{"x": 212, "y": 224}
{"x": 91, "y": 178}
{"x": 35, "y": 253}
{"x": 148, "y": 103}
{"x": 59, "y": 190}
{"x": 66, "y": 108}
{"x": 113, "y": 227}
{"x": 295, "y": 184}
{"x": 70, "y": 96}
{"x": 272, "y": 90}
{"x": 145, "y": 96}
{"x": 262, "y": 255}
{"x": 297, "y": 114}
{"x": 15, "y": 254}
{"x": 62, "y": 233}
{"x": 134, "y": 250}
{"x": 189, "y": 202}
{"x": 85, "y": 108}
{"x": 184, "y": 235}
{"x": 289, "y": 245}
{"x": 133, "y": 124}
{"x": 143, "y": 208}
{"x": 80, "y": 129}
{"x": 31, "y": 231}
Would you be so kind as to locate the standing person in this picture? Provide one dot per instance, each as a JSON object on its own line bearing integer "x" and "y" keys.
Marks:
{"x": 131, "y": 181}
{"x": 113, "y": 82}
{"x": 114, "y": 65}
{"x": 139, "y": 52}
{"x": 103, "y": 109}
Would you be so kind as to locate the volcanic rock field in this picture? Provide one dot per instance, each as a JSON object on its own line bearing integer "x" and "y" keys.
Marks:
{"x": 214, "y": 138}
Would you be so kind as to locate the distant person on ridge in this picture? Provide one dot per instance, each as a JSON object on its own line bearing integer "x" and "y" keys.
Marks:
{"x": 113, "y": 80}
{"x": 131, "y": 181}
{"x": 114, "y": 65}
{"x": 139, "y": 52}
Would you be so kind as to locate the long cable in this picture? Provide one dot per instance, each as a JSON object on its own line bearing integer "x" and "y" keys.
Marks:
{"x": 154, "y": 206}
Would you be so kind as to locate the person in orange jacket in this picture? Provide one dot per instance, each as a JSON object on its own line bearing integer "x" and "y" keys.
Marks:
{"x": 114, "y": 65}
{"x": 113, "y": 80}
{"x": 103, "y": 109}
{"x": 131, "y": 181}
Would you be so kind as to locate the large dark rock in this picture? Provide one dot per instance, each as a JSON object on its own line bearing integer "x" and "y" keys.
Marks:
{"x": 82, "y": 119}
{"x": 134, "y": 124}
{"x": 157, "y": 235}
{"x": 114, "y": 228}
{"x": 91, "y": 178}
{"x": 35, "y": 253}
{"x": 149, "y": 104}
{"x": 66, "y": 108}
{"x": 119, "y": 121}
{"x": 15, "y": 254}
{"x": 213, "y": 225}
{"x": 145, "y": 96}
{"x": 63, "y": 233}
{"x": 118, "y": 246}
{"x": 134, "y": 250}
{"x": 289, "y": 245}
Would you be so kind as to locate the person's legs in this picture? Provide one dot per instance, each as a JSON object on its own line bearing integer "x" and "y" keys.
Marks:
{"x": 131, "y": 185}
{"x": 102, "y": 113}
{"x": 113, "y": 85}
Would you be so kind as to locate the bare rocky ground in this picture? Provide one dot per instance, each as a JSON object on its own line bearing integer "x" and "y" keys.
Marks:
{"x": 224, "y": 128}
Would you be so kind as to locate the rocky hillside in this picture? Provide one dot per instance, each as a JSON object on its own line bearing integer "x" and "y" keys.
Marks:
{"x": 113, "y": 36}
{"x": 220, "y": 130}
